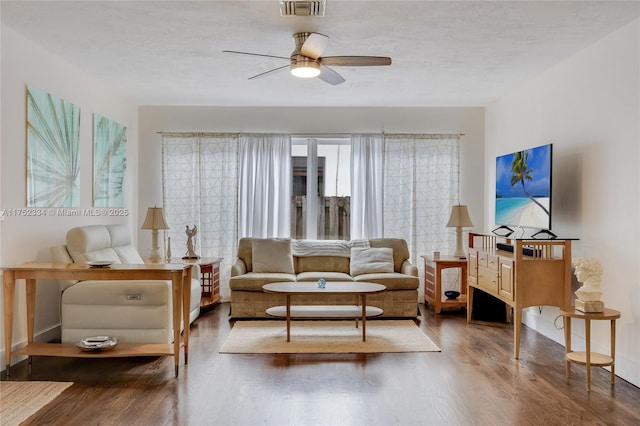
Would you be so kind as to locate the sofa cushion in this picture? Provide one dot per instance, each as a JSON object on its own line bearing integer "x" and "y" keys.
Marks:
{"x": 90, "y": 243}
{"x": 328, "y": 276}
{"x": 393, "y": 281}
{"x": 253, "y": 281}
{"x": 120, "y": 235}
{"x": 128, "y": 254}
{"x": 322, "y": 264}
{"x": 371, "y": 260}
{"x": 399, "y": 247}
{"x": 105, "y": 254}
{"x": 272, "y": 255}
{"x": 303, "y": 248}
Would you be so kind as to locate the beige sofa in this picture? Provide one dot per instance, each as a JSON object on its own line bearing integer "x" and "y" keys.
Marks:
{"x": 384, "y": 261}
{"x": 136, "y": 311}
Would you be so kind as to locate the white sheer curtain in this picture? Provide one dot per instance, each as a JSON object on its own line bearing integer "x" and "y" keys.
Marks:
{"x": 366, "y": 185}
{"x": 200, "y": 187}
{"x": 264, "y": 190}
{"x": 420, "y": 186}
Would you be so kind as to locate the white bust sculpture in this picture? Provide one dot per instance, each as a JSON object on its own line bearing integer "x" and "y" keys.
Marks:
{"x": 588, "y": 271}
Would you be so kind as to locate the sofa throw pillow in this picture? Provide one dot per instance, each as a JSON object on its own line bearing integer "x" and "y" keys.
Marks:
{"x": 272, "y": 255}
{"x": 371, "y": 260}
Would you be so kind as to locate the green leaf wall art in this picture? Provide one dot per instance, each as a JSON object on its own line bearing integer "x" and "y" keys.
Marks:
{"x": 53, "y": 138}
{"x": 109, "y": 162}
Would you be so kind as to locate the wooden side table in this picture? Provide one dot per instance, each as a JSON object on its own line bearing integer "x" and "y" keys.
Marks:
{"x": 210, "y": 271}
{"x": 587, "y": 357}
{"x": 209, "y": 278}
{"x": 433, "y": 282}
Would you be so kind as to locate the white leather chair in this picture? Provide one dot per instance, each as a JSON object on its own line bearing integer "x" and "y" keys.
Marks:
{"x": 134, "y": 311}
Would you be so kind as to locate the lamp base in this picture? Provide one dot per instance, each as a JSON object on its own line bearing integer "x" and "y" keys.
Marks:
{"x": 459, "y": 250}
{"x": 154, "y": 254}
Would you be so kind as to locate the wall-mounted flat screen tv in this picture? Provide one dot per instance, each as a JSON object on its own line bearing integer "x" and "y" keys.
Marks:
{"x": 523, "y": 188}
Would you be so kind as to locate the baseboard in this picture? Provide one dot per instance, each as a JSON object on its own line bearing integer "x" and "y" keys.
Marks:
{"x": 44, "y": 336}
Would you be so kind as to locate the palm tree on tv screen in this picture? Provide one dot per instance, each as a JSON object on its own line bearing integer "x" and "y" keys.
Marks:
{"x": 522, "y": 172}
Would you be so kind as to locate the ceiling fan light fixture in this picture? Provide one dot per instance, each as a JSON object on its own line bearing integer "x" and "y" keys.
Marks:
{"x": 305, "y": 69}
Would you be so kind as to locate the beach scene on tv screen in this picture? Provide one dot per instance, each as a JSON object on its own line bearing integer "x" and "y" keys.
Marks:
{"x": 523, "y": 188}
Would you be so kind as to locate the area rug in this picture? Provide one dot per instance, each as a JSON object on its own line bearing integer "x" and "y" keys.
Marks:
{"x": 20, "y": 400}
{"x": 270, "y": 337}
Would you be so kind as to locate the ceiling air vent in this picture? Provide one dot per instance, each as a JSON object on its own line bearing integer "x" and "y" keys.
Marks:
{"x": 302, "y": 8}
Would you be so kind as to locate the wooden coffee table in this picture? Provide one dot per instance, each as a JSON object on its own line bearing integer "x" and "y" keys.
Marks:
{"x": 360, "y": 310}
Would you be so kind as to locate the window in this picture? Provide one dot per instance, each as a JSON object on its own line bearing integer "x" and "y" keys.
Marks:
{"x": 321, "y": 167}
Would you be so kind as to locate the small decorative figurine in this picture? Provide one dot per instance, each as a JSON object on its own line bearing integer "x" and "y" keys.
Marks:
{"x": 322, "y": 283}
{"x": 191, "y": 233}
{"x": 588, "y": 271}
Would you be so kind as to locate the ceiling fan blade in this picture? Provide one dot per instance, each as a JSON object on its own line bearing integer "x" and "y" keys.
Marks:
{"x": 355, "y": 61}
{"x": 314, "y": 45}
{"x": 267, "y": 73}
{"x": 255, "y": 54}
{"x": 330, "y": 76}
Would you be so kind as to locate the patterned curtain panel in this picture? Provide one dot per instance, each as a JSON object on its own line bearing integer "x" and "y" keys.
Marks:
{"x": 420, "y": 186}
{"x": 200, "y": 188}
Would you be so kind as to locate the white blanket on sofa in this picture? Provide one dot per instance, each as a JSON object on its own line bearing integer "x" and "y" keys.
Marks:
{"x": 341, "y": 248}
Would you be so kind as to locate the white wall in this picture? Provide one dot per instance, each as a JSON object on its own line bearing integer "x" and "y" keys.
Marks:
{"x": 313, "y": 120}
{"x": 24, "y": 239}
{"x": 589, "y": 107}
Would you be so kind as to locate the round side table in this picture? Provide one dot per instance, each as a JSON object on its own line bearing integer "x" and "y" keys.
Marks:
{"x": 587, "y": 357}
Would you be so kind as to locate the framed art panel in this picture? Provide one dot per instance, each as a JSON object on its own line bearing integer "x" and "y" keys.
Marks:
{"x": 53, "y": 139}
{"x": 109, "y": 162}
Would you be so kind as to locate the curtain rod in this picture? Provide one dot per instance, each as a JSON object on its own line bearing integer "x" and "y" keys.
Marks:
{"x": 426, "y": 135}
{"x": 348, "y": 135}
{"x": 320, "y": 135}
{"x": 186, "y": 134}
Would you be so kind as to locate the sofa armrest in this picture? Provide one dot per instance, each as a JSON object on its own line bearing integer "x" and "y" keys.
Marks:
{"x": 238, "y": 268}
{"x": 195, "y": 271}
{"x": 408, "y": 268}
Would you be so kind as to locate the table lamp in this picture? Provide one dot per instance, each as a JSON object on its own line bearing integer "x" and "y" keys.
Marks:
{"x": 459, "y": 218}
{"x": 155, "y": 220}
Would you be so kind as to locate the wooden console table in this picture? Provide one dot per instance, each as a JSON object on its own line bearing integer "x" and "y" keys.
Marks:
{"x": 536, "y": 272}
{"x": 178, "y": 274}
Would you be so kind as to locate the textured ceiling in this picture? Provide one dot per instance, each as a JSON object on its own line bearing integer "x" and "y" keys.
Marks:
{"x": 445, "y": 53}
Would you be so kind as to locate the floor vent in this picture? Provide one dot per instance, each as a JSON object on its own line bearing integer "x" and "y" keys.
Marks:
{"x": 302, "y": 8}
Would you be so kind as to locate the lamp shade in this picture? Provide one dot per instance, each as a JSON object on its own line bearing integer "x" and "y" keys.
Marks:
{"x": 459, "y": 217}
{"x": 155, "y": 219}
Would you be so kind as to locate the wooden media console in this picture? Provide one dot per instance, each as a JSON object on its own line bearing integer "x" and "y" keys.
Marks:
{"x": 542, "y": 278}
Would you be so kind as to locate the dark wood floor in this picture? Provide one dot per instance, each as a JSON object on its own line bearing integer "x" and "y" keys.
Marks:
{"x": 473, "y": 381}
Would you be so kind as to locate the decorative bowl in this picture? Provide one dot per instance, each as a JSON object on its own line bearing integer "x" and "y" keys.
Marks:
{"x": 97, "y": 343}
{"x": 100, "y": 263}
{"x": 452, "y": 294}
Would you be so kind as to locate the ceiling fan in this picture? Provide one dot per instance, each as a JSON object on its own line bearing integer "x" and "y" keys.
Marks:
{"x": 306, "y": 60}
